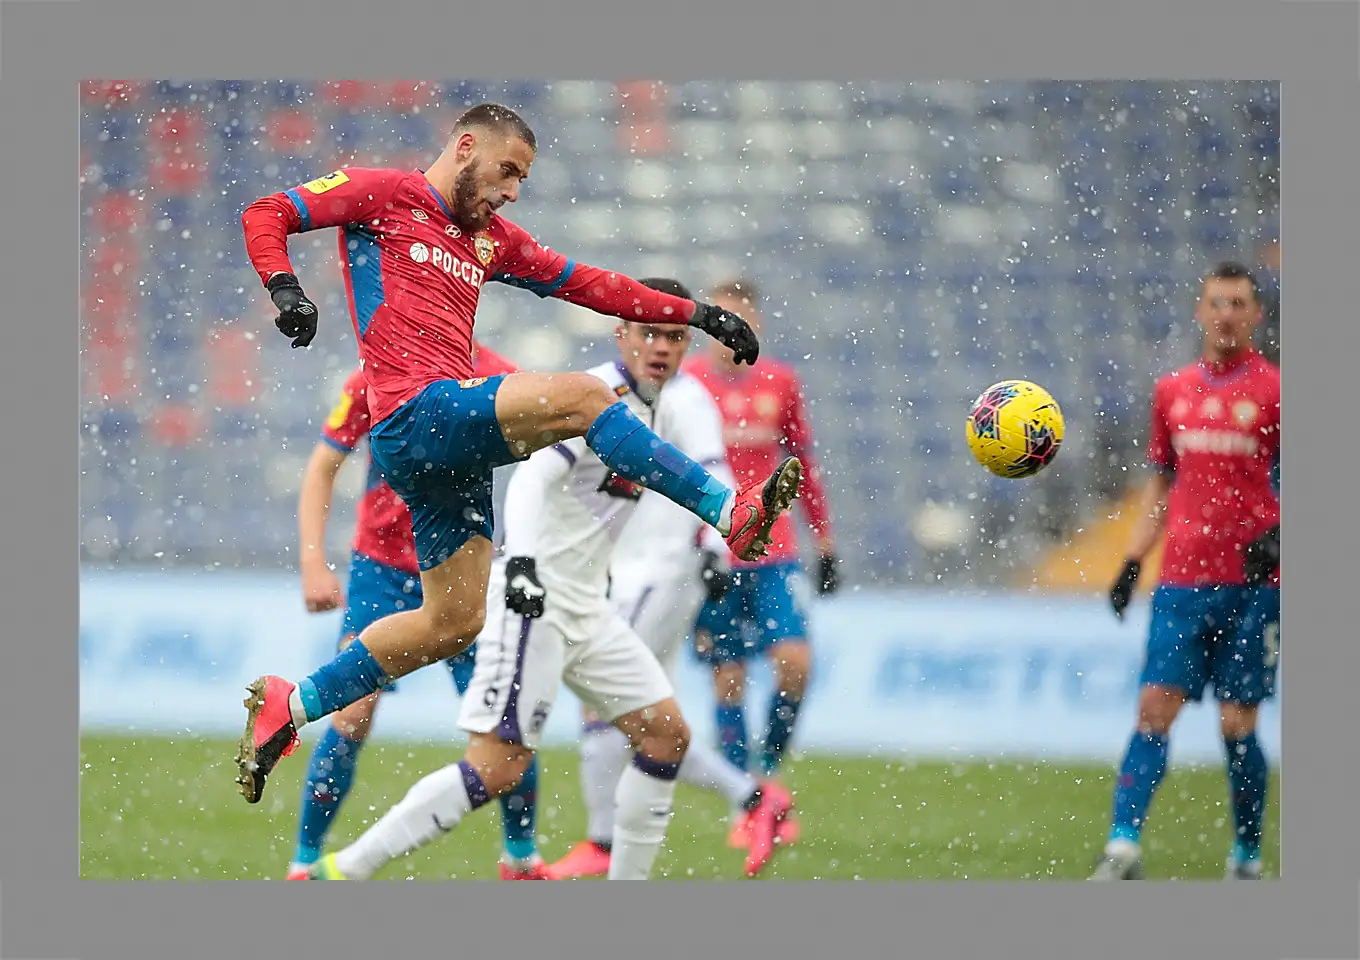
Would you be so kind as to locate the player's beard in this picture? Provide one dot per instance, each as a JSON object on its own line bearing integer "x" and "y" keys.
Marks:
{"x": 466, "y": 200}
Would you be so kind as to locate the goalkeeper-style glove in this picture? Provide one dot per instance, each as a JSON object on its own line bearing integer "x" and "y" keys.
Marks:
{"x": 524, "y": 592}
{"x": 297, "y": 314}
{"x": 728, "y": 329}
{"x": 716, "y": 577}
{"x": 1262, "y": 556}
{"x": 1122, "y": 591}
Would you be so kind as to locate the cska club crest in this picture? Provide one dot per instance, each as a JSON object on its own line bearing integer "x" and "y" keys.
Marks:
{"x": 485, "y": 250}
{"x": 1244, "y": 412}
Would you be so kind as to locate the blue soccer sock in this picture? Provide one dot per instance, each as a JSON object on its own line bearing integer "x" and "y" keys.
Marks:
{"x": 1248, "y": 778}
{"x": 329, "y": 777}
{"x": 518, "y": 816}
{"x": 629, "y": 448}
{"x": 778, "y": 731}
{"x": 350, "y": 677}
{"x": 732, "y": 734}
{"x": 1141, "y": 774}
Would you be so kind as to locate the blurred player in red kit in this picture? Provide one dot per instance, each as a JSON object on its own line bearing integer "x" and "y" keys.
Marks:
{"x": 1214, "y": 444}
{"x": 384, "y": 577}
{"x": 416, "y": 248}
{"x": 765, "y": 611}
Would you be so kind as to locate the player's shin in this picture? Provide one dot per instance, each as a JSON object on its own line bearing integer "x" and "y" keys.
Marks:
{"x": 1139, "y": 776}
{"x": 631, "y": 449}
{"x": 779, "y": 729}
{"x": 707, "y": 769}
{"x": 347, "y": 679}
{"x": 329, "y": 778}
{"x": 644, "y": 803}
{"x": 604, "y": 757}
{"x": 433, "y": 807}
{"x": 1248, "y": 780}
{"x": 519, "y": 812}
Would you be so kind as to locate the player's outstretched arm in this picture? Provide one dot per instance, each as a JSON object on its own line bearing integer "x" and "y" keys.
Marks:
{"x": 320, "y": 585}
{"x": 344, "y": 197}
{"x": 531, "y": 266}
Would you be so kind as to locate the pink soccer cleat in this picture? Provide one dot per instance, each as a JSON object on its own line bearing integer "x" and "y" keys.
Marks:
{"x": 269, "y": 737}
{"x": 774, "y": 807}
{"x": 758, "y": 505}
{"x": 537, "y": 871}
{"x": 586, "y": 859}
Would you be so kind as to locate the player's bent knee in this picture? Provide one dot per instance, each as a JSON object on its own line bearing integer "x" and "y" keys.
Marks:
{"x": 1158, "y": 708}
{"x": 499, "y": 763}
{"x": 1237, "y": 720}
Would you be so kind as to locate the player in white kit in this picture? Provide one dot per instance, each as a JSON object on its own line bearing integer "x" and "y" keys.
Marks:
{"x": 664, "y": 564}
{"x": 549, "y": 621}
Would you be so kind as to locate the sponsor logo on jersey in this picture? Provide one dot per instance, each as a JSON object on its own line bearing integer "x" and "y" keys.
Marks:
{"x": 329, "y": 182}
{"x": 453, "y": 231}
{"x": 468, "y": 272}
{"x": 1220, "y": 442}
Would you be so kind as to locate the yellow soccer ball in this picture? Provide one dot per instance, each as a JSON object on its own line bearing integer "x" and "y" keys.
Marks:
{"x": 1015, "y": 429}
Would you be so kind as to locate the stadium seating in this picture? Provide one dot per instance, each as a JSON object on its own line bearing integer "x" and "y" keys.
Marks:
{"x": 917, "y": 242}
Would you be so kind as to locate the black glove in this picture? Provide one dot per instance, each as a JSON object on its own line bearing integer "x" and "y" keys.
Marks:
{"x": 728, "y": 329}
{"x": 1262, "y": 556}
{"x": 1122, "y": 591}
{"x": 523, "y": 592}
{"x": 829, "y": 576}
{"x": 717, "y": 578}
{"x": 297, "y": 314}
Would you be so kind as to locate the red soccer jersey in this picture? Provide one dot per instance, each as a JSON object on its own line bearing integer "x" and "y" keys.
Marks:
{"x": 763, "y": 422}
{"x": 413, "y": 278}
{"x": 1219, "y": 430}
{"x": 382, "y": 529}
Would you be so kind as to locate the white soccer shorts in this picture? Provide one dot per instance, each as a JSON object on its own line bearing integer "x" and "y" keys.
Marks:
{"x": 522, "y": 662}
{"x": 660, "y": 609}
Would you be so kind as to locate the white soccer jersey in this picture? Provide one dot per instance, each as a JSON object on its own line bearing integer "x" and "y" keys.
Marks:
{"x": 585, "y": 507}
{"x": 662, "y": 535}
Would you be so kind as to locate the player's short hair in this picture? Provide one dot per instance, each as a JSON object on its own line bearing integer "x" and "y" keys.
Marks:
{"x": 494, "y": 116}
{"x": 739, "y": 288}
{"x": 667, "y": 285}
{"x": 1233, "y": 270}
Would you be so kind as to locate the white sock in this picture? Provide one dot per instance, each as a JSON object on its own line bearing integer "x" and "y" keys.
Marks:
{"x": 431, "y": 808}
{"x": 725, "y": 517}
{"x": 296, "y": 708}
{"x": 644, "y": 804}
{"x": 708, "y": 769}
{"x": 604, "y": 754}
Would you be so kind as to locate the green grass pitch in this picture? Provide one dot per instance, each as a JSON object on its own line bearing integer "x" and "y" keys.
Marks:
{"x": 161, "y": 809}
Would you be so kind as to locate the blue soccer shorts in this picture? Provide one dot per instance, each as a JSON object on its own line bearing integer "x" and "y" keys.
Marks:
{"x": 766, "y": 605}
{"x": 377, "y": 590}
{"x": 438, "y": 451}
{"x": 1228, "y": 636}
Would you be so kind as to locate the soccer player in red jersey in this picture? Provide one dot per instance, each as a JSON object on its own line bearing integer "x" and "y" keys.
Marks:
{"x": 763, "y": 422}
{"x": 1214, "y": 443}
{"x": 417, "y": 247}
{"x": 384, "y": 577}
